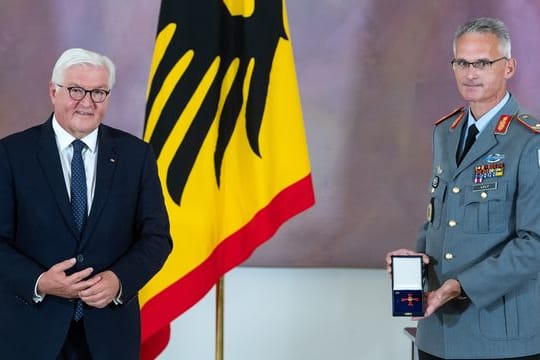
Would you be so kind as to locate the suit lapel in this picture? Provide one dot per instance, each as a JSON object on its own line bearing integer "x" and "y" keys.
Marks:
{"x": 448, "y": 139}
{"x": 49, "y": 160}
{"x": 105, "y": 168}
{"x": 453, "y": 140}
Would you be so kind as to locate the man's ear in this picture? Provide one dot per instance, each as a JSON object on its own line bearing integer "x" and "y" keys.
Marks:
{"x": 52, "y": 91}
{"x": 510, "y": 68}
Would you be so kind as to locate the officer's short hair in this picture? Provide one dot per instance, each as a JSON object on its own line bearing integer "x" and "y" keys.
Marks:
{"x": 490, "y": 26}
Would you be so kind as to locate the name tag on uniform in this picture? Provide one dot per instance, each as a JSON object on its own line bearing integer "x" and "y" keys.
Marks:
{"x": 484, "y": 187}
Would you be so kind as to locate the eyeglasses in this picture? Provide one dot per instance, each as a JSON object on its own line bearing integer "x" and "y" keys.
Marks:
{"x": 77, "y": 93}
{"x": 462, "y": 65}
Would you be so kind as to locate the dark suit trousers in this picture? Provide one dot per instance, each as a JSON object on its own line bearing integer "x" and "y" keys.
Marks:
{"x": 76, "y": 346}
{"x": 425, "y": 356}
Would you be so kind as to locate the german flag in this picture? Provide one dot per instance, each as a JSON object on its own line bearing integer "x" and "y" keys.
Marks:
{"x": 224, "y": 118}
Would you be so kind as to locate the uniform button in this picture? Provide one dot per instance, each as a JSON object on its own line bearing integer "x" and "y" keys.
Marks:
{"x": 452, "y": 223}
{"x": 448, "y": 256}
{"x": 456, "y": 190}
{"x": 80, "y": 258}
{"x": 483, "y": 195}
{"x": 432, "y": 190}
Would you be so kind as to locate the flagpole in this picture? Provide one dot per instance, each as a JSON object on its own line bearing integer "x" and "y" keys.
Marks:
{"x": 220, "y": 289}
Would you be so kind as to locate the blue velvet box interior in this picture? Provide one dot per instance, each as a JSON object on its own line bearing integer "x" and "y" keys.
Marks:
{"x": 408, "y": 303}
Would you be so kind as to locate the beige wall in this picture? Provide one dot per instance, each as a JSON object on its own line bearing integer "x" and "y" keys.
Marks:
{"x": 374, "y": 75}
{"x": 296, "y": 314}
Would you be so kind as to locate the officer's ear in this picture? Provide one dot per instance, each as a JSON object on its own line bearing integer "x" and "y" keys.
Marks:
{"x": 510, "y": 68}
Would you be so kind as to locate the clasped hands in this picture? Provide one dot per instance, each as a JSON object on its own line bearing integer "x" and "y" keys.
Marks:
{"x": 449, "y": 290}
{"x": 97, "y": 291}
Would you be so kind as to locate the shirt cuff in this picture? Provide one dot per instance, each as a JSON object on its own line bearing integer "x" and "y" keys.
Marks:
{"x": 37, "y": 298}
{"x": 118, "y": 299}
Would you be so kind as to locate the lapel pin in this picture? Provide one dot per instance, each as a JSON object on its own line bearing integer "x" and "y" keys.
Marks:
{"x": 112, "y": 160}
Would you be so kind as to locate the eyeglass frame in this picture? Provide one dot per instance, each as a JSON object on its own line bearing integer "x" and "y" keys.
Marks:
{"x": 481, "y": 64}
{"x": 91, "y": 92}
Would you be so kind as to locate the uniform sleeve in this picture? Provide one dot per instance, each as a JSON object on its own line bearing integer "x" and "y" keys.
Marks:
{"x": 421, "y": 239}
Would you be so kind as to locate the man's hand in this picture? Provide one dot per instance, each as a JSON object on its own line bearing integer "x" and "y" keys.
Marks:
{"x": 402, "y": 252}
{"x": 449, "y": 290}
{"x": 55, "y": 281}
{"x": 103, "y": 291}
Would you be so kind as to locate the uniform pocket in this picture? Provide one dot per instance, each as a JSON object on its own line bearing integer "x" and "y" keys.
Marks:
{"x": 514, "y": 316}
{"x": 485, "y": 208}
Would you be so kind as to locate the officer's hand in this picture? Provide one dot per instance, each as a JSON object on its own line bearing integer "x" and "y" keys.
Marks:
{"x": 402, "y": 252}
{"x": 449, "y": 290}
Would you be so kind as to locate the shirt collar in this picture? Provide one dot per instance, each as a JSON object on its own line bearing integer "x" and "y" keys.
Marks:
{"x": 484, "y": 119}
{"x": 64, "y": 139}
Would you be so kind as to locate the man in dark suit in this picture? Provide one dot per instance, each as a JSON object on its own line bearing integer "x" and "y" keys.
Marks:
{"x": 481, "y": 238}
{"x": 83, "y": 225}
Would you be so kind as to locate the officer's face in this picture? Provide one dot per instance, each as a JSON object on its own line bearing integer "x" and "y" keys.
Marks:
{"x": 80, "y": 117}
{"x": 482, "y": 88}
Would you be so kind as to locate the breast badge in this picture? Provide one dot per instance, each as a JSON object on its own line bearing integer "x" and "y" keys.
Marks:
{"x": 493, "y": 167}
{"x": 429, "y": 211}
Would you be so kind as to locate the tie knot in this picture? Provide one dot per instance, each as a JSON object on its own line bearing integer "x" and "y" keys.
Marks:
{"x": 78, "y": 145}
{"x": 473, "y": 130}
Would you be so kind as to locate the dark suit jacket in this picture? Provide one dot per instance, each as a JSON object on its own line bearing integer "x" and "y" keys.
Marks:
{"x": 127, "y": 231}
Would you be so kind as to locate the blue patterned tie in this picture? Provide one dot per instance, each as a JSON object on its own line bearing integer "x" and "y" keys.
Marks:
{"x": 78, "y": 201}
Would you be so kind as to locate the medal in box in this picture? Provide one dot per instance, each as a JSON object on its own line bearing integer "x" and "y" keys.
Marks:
{"x": 407, "y": 286}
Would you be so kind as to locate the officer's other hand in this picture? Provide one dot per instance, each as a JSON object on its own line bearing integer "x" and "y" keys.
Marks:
{"x": 449, "y": 290}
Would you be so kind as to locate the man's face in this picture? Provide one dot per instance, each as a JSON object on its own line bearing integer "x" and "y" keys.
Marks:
{"x": 80, "y": 118}
{"x": 482, "y": 87}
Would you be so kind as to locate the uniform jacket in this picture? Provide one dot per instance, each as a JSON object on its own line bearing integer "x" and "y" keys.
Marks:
{"x": 483, "y": 228}
{"x": 127, "y": 231}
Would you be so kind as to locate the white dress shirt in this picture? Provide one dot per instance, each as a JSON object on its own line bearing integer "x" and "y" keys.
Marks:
{"x": 89, "y": 155}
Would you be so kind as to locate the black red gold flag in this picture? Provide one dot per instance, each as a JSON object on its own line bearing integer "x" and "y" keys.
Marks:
{"x": 224, "y": 118}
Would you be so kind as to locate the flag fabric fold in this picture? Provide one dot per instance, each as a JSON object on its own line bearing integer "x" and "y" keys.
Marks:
{"x": 224, "y": 119}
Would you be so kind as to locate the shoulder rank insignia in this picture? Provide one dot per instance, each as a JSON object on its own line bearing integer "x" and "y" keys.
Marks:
{"x": 529, "y": 122}
{"x": 502, "y": 125}
{"x": 459, "y": 111}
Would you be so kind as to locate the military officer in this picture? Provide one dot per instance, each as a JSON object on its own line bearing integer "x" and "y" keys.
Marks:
{"x": 481, "y": 240}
